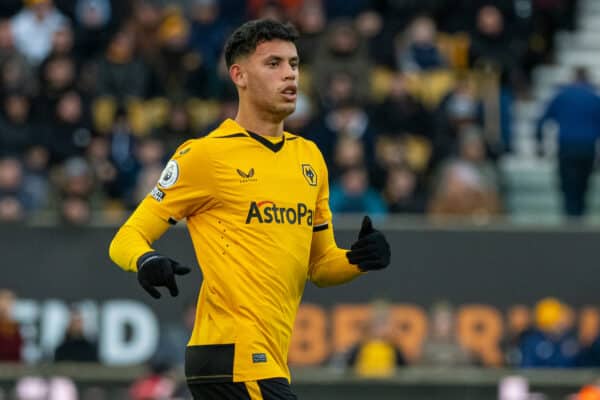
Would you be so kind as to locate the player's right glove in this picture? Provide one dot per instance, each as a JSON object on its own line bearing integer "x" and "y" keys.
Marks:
{"x": 157, "y": 270}
{"x": 371, "y": 251}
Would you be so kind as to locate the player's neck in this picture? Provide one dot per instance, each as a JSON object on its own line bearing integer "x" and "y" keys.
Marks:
{"x": 254, "y": 122}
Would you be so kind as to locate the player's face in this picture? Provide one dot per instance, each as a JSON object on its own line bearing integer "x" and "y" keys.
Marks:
{"x": 272, "y": 77}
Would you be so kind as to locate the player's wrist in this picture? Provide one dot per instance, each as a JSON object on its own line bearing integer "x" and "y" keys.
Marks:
{"x": 146, "y": 258}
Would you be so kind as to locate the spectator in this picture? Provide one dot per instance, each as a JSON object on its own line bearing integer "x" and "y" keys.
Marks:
{"x": 418, "y": 51}
{"x": 121, "y": 74}
{"x": 178, "y": 71}
{"x": 75, "y": 211}
{"x": 208, "y": 31}
{"x": 349, "y": 152}
{"x": 472, "y": 150}
{"x": 58, "y": 75}
{"x": 16, "y": 133}
{"x": 92, "y": 27}
{"x": 69, "y": 131}
{"x": 492, "y": 44}
{"x": 403, "y": 192}
{"x": 518, "y": 325}
{"x": 441, "y": 348}
{"x": 122, "y": 155}
{"x": 311, "y": 23}
{"x": 34, "y": 27}
{"x": 401, "y": 113}
{"x": 7, "y": 42}
{"x": 13, "y": 200}
{"x": 150, "y": 153}
{"x": 371, "y": 27}
{"x": 177, "y": 129}
{"x": 461, "y": 191}
{"x": 576, "y": 111}
{"x": 11, "y": 342}
{"x": 351, "y": 193}
{"x": 552, "y": 343}
{"x": 376, "y": 355}
{"x": 269, "y": 9}
{"x": 15, "y": 73}
{"x": 98, "y": 157}
{"x": 35, "y": 180}
{"x": 348, "y": 119}
{"x": 75, "y": 177}
{"x": 340, "y": 89}
{"x": 63, "y": 41}
{"x": 342, "y": 51}
{"x": 75, "y": 346}
{"x": 459, "y": 108}
{"x": 143, "y": 25}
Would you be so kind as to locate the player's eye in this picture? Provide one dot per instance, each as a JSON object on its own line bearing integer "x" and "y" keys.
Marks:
{"x": 273, "y": 63}
{"x": 294, "y": 64}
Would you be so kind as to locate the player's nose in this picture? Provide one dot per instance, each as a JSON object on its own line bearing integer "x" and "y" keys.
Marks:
{"x": 290, "y": 73}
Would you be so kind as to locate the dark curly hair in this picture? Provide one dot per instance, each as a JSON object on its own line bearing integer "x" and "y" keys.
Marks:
{"x": 243, "y": 40}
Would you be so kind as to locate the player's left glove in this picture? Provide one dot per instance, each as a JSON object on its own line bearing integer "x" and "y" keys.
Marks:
{"x": 371, "y": 251}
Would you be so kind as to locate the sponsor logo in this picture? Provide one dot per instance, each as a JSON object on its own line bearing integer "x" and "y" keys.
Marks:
{"x": 157, "y": 194}
{"x": 259, "y": 358}
{"x": 169, "y": 175}
{"x": 250, "y": 173}
{"x": 267, "y": 212}
{"x": 184, "y": 151}
{"x": 309, "y": 174}
{"x": 246, "y": 176}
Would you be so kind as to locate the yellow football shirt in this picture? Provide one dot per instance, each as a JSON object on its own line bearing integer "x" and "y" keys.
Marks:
{"x": 253, "y": 205}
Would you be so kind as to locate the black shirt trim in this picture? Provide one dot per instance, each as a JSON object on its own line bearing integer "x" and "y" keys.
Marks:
{"x": 231, "y": 136}
{"x": 275, "y": 147}
{"x": 321, "y": 227}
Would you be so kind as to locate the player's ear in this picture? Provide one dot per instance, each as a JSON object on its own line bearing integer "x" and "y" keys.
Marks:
{"x": 238, "y": 75}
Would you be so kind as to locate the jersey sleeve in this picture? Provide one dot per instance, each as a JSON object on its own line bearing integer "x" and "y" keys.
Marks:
{"x": 328, "y": 264}
{"x": 185, "y": 186}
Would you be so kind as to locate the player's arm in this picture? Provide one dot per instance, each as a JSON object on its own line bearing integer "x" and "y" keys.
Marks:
{"x": 331, "y": 265}
{"x": 131, "y": 250}
{"x": 135, "y": 237}
{"x": 179, "y": 193}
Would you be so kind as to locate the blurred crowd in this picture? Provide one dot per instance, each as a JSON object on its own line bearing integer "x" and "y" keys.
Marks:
{"x": 409, "y": 101}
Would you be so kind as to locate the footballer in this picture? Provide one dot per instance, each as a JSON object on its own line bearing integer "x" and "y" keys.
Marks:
{"x": 256, "y": 203}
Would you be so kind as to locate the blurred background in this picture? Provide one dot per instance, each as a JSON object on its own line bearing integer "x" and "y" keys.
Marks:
{"x": 467, "y": 128}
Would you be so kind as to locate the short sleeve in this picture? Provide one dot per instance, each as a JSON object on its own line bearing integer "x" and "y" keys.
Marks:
{"x": 185, "y": 186}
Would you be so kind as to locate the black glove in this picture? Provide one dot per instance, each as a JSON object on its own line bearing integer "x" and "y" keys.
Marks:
{"x": 157, "y": 270}
{"x": 371, "y": 251}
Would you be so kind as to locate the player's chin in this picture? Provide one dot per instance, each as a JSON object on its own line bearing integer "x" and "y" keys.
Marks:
{"x": 286, "y": 109}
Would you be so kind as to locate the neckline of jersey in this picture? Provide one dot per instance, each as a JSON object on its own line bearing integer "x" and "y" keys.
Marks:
{"x": 273, "y": 146}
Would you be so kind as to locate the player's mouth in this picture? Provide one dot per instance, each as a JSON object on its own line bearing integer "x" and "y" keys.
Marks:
{"x": 290, "y": 92}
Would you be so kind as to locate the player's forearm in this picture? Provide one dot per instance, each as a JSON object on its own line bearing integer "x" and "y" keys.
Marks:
{"x": 333, "y": 269}
{"x": 136, "y": 237}
{"x": 329, "y": 265}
